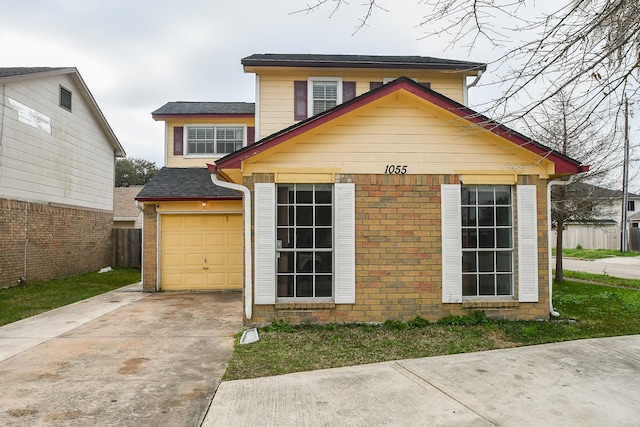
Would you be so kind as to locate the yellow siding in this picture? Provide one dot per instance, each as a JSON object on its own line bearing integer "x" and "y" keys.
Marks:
{"x": 400, "y": 131}
{"x": 276, "y": 89}
{"x": 188, "y": 162}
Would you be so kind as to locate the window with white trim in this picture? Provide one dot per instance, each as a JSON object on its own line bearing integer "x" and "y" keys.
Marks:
{"x": 214, "y": 140}
{"x": 487, "y": 241}
{"x": 324, "y": 93}
{"x": 304, "y": 245}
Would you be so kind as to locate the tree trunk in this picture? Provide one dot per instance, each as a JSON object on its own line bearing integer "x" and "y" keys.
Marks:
{"x": 559, "y": 273}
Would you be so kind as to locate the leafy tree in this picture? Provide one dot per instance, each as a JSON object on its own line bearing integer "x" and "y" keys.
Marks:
{"x": 132, "y": 171}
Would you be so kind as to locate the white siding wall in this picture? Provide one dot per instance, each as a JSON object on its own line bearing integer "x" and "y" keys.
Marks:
{"x": 74, "y": 165}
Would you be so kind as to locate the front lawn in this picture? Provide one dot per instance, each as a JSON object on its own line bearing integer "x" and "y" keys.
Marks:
{"x": 587, "y": 311}
{"x": 22, "y": 301}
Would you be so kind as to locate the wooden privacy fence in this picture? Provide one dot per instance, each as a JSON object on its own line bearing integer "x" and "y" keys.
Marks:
{"x": 634, "y": 239}
{"x": 127, "y": 247}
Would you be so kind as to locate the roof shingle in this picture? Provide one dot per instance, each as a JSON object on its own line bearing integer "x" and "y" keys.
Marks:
{"x": 198, "y": 108}
{"x": 184, "y": 184}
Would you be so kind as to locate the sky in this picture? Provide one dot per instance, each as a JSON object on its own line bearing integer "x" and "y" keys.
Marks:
{"x": 135, "y": 56}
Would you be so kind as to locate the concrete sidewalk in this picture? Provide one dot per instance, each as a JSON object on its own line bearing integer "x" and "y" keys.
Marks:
{"x": 120, "y": 359}
{"x": 578, "y": 383}
{"x": 624, "y": 267}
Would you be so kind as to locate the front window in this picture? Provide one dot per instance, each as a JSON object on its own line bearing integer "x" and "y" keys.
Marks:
{"x": 305, "y": 240}
{"x": 324, "y": 93}
{"x": 214, "y": 140}
{"x": 487, "y": 241}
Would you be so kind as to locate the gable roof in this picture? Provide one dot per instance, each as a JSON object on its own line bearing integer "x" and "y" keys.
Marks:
{"x": 360, "y": 61}
{"x": 15, "y": 74}
{"x": 564, "y": 164}
{"x": 123, "y": 198}
{"x": 184, "y": 184}
{"x": 183, "y": 108}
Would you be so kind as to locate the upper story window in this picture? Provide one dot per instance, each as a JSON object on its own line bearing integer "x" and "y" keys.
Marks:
{"x": 214, "y": 140}
{"x": 65, "y": 98}
{"x": 631, "y": 205}
{"x": 324, "y": 93}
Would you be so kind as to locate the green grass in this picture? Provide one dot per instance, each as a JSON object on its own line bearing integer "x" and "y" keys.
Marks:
{"x": 594, "y": 253}
{"x": 587, "y": 311}
{"x": 22, "y": 301}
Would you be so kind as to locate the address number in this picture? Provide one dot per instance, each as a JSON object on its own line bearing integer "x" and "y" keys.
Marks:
{"x": 396, "y": 169}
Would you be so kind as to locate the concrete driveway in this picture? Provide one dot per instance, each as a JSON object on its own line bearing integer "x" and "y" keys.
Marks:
{"x": 121, "y": 359}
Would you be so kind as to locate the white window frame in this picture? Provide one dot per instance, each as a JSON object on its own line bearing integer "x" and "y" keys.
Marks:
{"x": 310, "y": 83}
{"x": 185, "y": 138}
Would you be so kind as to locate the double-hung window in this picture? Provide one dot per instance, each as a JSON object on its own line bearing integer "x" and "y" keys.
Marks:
{"x": 214, "y": 140}
{"x": 304, "y": 218}
{"x": 487, "y": 241}
{"x": 324, "y": 94}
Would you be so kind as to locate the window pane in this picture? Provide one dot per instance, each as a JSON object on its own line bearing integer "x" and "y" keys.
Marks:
{"x": 324, "y": 262}
{"x": 503, "y": 216}
{"x": 304, "y": 238}
{"x": 486, "y": 285}
{"x": 469, "y": 262}
{"x": 283, "y": 193}
{"x": 324, "y": 286}
{"x": 323, "y": 194}
{"x": 485, "y": 196}
{"x": 485, "y": 261}
{"x": 304, "y": 194}
{"x": 503, "y": 282}
{"x": 485, "y": 238}
{"x": 503, "y": 237}
{"x": 285, "y": 236}
{"x": 469, "y": 238}
{"x": 304, "y": 215}
{"x": 469, "y": 285}
{"x": 323, "y": 238}
{"x": 305, "y": 262}
{"x": 323, "y": 215}
{"x": 304, "y": 286}
{"x": 504, "y": 261}
{"x": 485, "y": 216}
{"x": 503, "y": 195}
{"x": 468, "y": 217}
{"x": 285, "y": 286}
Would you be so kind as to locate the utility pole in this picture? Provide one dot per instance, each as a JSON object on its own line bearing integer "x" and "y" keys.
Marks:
{"x": 625, "y": 177}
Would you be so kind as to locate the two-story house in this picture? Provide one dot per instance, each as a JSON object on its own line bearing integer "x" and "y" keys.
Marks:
{"x": 57, "y": 173}
{"x": 371, "y": 192}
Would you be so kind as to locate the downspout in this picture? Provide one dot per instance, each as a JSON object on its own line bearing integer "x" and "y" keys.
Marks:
{"x": 469, "y": 86}
{"x": 551, "y": 183}
{"x": 248, "y": 302}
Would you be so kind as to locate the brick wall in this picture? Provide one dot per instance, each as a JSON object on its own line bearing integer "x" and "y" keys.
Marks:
{"x": 150, "y": 249}
{"x": 43, "y": 242}
{"x": 398, "y": 258}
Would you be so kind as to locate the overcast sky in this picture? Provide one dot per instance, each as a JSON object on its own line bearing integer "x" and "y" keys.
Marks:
{"x": 135, "y": 56}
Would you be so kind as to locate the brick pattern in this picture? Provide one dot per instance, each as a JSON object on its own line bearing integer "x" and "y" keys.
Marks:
{"x": 398, "y": 258}
{"x": 150, "y": 249}
{"x": 42, "y": 242}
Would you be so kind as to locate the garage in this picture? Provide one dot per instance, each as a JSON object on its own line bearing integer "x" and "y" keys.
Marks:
{"x": 201, "y": 252}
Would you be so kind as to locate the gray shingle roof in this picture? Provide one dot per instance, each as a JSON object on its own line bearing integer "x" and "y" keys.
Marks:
{"x": 184, "y": 184}
{"x": 19, "y": 71}
{"x": 360, "y": 61}
{"x": 195, "y": 108}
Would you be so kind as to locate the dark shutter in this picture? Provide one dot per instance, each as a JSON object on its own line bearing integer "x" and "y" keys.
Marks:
{"x": 251, "y": 135}
{"x": 348, "y": 91}
{"x": 300, "y": 100}
{"x": 426, "y": 84}
{"x": 178, "y": 149}
{"x": 374, "y": 85}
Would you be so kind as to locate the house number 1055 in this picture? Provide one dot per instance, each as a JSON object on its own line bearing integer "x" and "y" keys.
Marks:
{"x": 396, "y": 169}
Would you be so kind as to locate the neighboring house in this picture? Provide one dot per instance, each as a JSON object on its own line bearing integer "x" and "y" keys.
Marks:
{"x": 125, "y": 212}
{"x": 372, "y": 192}
{"x": 57, "y": 155}
{"x": 602, "y": 230}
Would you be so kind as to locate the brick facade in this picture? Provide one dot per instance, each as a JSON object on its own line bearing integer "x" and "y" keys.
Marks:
{"x": 150, "y": 249}
{"x": 399, "y": 259}
{"x": 41, "y": 242}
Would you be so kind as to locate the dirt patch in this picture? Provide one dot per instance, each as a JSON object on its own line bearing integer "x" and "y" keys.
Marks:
{"x": 132, "y": 366}
{"x": 18, "y": 413}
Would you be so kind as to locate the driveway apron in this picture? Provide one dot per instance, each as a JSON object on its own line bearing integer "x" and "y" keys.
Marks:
{"x": 155, "y": 360}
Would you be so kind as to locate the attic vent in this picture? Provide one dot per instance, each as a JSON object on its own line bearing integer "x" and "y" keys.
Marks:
{"x": 65, "y": 98}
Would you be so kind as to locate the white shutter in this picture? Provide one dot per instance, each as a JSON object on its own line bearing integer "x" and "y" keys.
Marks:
{"x": 527, "y": 244}
{"x": 451, "y": 243}
{"x": 265, "y": 243}
{"x": 345, "y": 243}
